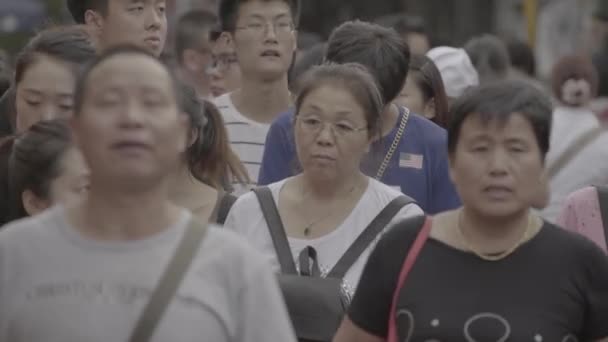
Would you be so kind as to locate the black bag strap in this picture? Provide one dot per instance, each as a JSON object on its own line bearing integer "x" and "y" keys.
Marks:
{"x": 276, "y": 229}
{"x": 602, "y": 198}
{"x": 368, "y": 236}
{"x": 169, "y": 282}
{"x": 224, "y": 207}
{"x": 307, "y": 255}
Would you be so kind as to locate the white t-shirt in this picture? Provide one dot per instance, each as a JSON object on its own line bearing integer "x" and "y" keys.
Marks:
{"x": 588, "y": 167}
{"x": 246, "y": 218}
{"x": 58, "y": 286}
{"x": 247, "y": 139}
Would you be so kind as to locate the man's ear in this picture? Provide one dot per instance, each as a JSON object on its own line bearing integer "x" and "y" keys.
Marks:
{"x": 295, "y": 37}
{"x": 93, "y": 19}
{"x": 227, "y": 39}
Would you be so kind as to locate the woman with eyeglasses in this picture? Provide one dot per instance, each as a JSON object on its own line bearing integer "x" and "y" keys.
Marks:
{"x": 331, "y": 203}
{"x": 491, "y": 270}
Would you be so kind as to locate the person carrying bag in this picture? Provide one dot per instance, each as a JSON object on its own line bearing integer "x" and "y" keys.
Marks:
{"x": 317, "y": 304}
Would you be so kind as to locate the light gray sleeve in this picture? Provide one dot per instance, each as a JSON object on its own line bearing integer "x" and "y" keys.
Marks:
{"x": 3, "y": 294}
{"x": 263, "y": 316}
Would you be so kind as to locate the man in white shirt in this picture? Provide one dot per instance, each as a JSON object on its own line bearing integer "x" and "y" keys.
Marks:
{"x": 264, "y": 37}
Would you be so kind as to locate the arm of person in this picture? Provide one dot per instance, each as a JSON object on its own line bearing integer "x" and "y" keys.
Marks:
{"x": 369, "y": 312}
{"x": 568, "y": 218}
{"x": 279, "y": 154}
{"x": 263, "y": 317}
{"x": 596, "y": 293}
{"x": 350, "y": 332}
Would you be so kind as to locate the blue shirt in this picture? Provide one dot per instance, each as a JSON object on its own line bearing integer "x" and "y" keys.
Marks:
{"x": 419, "y": 166}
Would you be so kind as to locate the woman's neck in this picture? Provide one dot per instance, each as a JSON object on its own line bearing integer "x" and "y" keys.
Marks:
{"x": 110, "y": 215}
{"x": 262, "y": 101}
{"x": 330, "y": 190}
{"x": 493, "y": 234}
{"x": 188, "y": 192}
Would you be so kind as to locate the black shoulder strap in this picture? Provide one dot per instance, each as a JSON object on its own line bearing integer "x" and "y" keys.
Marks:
{"x": 276, "y": 229}
{"x": 224, "y": 207}
{"x": 368, "y": 235}
{"x": 602, "y": 198}
{"x": 169, "y": 282}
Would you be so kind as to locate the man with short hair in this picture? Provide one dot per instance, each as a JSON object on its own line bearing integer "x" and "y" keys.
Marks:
{"x": 264, "y": 37}
{"x": 193, "y": 49}
{"x": 92, "y": 269}
{"x": 139, "y": 22}
{"x": 412, "y": 154}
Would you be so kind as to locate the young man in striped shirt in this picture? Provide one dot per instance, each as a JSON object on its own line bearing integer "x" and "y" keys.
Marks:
{"x": 264, "y": 37}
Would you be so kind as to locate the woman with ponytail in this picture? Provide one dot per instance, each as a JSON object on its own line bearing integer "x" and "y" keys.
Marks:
{"x": 202, "y": 181}
{"x": 41, "y": 167}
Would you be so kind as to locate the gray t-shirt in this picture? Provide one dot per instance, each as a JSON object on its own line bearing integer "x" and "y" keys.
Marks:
{"x": 57, "y": 285}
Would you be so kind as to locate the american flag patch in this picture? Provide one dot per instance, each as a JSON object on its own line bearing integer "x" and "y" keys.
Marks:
{"x": 411, "y": 161}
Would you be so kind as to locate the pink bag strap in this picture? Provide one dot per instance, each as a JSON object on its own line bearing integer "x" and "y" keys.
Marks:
{"x": 412, "y": 255}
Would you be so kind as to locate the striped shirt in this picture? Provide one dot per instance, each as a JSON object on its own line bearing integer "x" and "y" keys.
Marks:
{"x": 246, "y": 137}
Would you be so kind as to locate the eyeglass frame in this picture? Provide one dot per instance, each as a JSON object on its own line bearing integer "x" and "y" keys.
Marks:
{"x": 262, "y": 28}
{"x": 224, "y": 62}
{"x": 332, "y": 127}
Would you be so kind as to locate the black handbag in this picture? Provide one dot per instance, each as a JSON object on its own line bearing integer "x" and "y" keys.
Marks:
{"x": 317, "y": 304}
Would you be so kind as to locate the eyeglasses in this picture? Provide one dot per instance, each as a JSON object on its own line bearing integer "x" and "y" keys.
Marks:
{"x": 280, "y": 27}
{"x": 224, "y": 62}
{"x": 338, "y": 129}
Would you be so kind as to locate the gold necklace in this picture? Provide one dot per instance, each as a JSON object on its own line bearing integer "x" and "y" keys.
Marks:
{"x": 500, "y": 256}
{"x": 307, "y": 229}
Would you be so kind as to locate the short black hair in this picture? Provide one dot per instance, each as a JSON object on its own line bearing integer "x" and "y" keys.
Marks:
{"x": 229, "y": 9}
{"x": 78, "y": 8}
{"x": 309, "y": 58}
{"x": 83, "y": 78}
{"x": 381, "y": 50}
{"x": 499, "y": 101}
{"x": 522, "y": 56}
{"x": 490, "y": 57}
{"x": 191, "y": 28}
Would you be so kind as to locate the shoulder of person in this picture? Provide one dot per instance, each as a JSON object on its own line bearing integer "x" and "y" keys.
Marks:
{"x": 402, "y": 234}
{"x": 384, "y": 194}
{"x": 285, "y": 119}
{"x": 582, "y": 195}
{"x": 430, "y": 132}
{"x": 29, "y": 229}
{"x": 570, "y": 243}
{"x": 248, "y": 201}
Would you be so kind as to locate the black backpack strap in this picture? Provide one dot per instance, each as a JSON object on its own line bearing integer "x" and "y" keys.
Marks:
{"x": 602, "y": 198}
{"x": 224, "y": 207}
{"x": 370, "y": 233}
{"x": 169, "y": 282}
{"x": 276, "y": 229}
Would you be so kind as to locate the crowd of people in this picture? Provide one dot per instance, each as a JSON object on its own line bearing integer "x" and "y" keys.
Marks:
{"x": 249, "y": 183}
